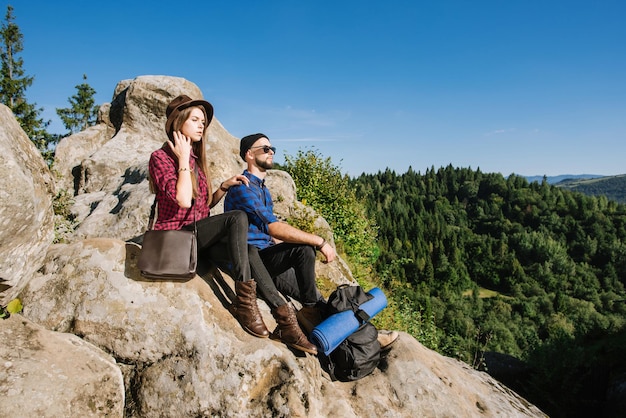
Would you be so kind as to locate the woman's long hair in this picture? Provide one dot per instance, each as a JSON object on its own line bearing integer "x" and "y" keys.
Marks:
{"x": 198, "y": 149}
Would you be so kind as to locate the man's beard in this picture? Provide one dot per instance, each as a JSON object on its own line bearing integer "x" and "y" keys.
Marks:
{"x": 264, "y": 163}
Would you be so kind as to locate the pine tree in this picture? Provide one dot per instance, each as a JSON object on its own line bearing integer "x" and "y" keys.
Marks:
{"x": 83, "y": 111}
{"x": 13, "y": 85}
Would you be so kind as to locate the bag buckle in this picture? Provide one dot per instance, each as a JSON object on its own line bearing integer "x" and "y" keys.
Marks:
{"x": 362, "y": 315}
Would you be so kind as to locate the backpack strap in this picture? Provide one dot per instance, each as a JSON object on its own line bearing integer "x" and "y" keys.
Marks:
{"x": 362, "y": 316}
{"x": 331, "y": 368}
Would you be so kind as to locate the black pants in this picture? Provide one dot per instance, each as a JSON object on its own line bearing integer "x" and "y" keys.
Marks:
{"x": 293, "y": 268}
{"x": 223, "y": 239}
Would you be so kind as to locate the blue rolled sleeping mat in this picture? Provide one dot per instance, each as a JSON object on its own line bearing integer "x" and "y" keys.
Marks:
{"x": 333, "y": 330}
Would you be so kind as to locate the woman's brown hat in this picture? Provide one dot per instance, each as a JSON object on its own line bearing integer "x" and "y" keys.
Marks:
{"x": 182, "y": 102}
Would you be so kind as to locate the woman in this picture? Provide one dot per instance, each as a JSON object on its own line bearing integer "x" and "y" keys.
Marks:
{"x": 179, "y": 177}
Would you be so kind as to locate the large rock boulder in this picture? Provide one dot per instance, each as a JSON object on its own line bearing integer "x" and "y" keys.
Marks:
{"x": 106, "y": 166}
{"x": 53, "y": 374}
{"x": 26, "y": 215}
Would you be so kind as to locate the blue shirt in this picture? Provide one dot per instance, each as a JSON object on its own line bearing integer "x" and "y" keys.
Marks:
{"x": 256, "y": 201}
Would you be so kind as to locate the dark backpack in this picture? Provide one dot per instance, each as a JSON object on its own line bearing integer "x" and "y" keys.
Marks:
{"x": 359, "y": 354}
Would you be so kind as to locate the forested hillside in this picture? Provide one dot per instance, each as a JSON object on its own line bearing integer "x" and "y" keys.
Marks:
{"x": 522, "y": 279}
{"x": 530, "y": 270}
{"x": 562, "y": 177}
{"x": 613, "y": 187}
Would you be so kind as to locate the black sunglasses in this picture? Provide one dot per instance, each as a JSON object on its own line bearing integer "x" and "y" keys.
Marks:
{"x": 266, "y": 148}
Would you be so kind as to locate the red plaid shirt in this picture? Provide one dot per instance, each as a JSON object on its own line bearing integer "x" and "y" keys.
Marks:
{"x": 163, "y": 168}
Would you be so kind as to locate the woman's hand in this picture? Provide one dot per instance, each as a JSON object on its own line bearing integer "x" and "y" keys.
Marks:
{"x": 181, "y": 147}
{"x": 235, "y": 181}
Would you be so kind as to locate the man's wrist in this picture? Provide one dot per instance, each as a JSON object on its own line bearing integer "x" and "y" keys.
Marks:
{"x": 319, "y": 247}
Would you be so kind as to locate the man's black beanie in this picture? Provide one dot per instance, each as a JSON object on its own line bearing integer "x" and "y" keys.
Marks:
{"x": 247, "y": 142}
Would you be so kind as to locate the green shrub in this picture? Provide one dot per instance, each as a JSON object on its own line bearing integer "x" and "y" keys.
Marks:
{"x": 321, "y": 185}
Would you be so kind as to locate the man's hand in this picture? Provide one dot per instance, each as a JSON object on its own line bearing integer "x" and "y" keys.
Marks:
{"x": 282, "y": 231}
{"x": 329, "y": 252}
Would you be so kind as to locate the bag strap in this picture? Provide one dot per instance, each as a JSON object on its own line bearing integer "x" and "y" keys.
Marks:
{"x": 152, "y": 211}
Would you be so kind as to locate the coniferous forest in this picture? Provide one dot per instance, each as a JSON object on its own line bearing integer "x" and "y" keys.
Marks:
{"x": 500, "y": 265}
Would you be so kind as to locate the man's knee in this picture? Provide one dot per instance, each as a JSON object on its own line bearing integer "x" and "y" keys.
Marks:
{"x": 306, "y": 251}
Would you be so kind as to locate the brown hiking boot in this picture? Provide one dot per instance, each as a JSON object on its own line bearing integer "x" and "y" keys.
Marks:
{"x": 309, "y": 317}
{"x": 288, "y": 331}
{"x": 246, "y": 310}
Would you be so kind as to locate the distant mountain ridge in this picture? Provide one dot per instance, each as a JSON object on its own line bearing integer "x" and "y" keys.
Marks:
{"x": 562, "y": 177}
{"x": 613, "y": 187}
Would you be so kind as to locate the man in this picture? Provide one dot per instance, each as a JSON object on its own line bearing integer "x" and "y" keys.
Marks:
{"x": 287, "y": 252}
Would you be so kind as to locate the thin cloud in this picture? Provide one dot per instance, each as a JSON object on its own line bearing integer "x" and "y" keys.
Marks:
{"x": 335, "y": 139}
{"x": 309, "y": 117}
{"x": 500, "y": 131}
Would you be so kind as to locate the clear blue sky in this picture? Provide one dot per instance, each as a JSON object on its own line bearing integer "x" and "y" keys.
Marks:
{"x": 527, "y": 87}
